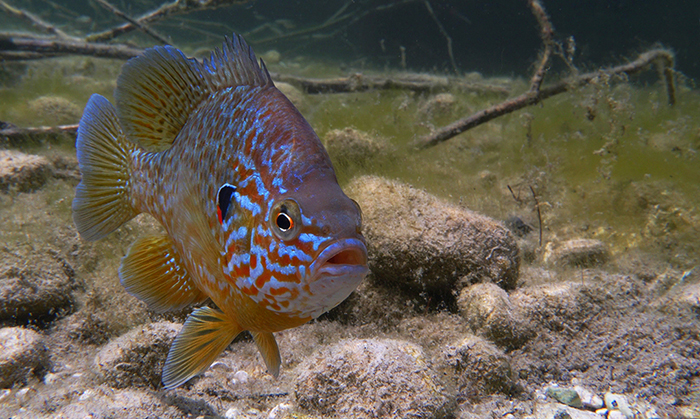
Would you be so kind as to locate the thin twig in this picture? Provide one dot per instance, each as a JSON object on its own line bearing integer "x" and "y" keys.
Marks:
{"x": 142, "y": 26}
{"x": 168, "y": 9}
{"x": 445, "y": 34}
{"x": 34, "y": 20}
{"x": 660, "y": 57}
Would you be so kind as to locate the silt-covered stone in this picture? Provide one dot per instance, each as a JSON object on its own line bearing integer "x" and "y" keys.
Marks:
{"x": 370, "y": 378}
{"x": 419, "y": 243}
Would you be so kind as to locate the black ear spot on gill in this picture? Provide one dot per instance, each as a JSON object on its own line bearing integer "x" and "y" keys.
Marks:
{"x": 223, "y": 200}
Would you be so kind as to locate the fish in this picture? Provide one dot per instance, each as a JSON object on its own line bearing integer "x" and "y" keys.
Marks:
{"x": 258, "y": 232}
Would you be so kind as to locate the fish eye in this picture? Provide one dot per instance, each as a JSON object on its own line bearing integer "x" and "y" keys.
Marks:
{"x": 285, "y": 219}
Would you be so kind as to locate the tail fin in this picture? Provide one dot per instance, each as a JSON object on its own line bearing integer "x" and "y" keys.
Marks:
{"x": 102, "y": 201}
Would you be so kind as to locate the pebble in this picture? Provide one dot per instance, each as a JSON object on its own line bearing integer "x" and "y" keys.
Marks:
{"x": 487, "y": 309}
{"x": 136, "y": 358}
{"x": 617, "y": 402}
{"x": 580, "y": 253}
{"x": 565, "y": 395}
{"x": 34, "y": 287}
{"x": 418, "y": 243}
{"x": 22, "y": 355}
{"x": 280, "y": 411}
{"x": 369, "y": 378}
{"x": 22, "y": 172}
{"x": 589, "y": 399}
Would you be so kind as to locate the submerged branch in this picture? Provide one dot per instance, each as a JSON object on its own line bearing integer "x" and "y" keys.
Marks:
{"x": 662, "y": 58}
{"x": 16, "y": 47}
{"x": 359, "y": 82}
{"x": 13, "y": 132}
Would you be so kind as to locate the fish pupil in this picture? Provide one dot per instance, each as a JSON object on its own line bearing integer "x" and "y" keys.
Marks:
{"x": 224, "y": 200}
{"x": 284, "y": 221}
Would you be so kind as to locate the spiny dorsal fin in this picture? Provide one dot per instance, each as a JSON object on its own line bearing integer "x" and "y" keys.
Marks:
{"x": 235, "y": 65}
{"x": 158, "y": 90}
{"x": 152, "y": 271}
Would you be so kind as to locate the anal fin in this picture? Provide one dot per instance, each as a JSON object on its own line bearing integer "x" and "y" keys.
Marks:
{"x": 152, "y": 271}
{"x": 267, "y": 345}
{"x": 206, "y": 333}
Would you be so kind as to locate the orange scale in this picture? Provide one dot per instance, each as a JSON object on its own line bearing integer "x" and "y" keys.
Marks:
{"x": 263, "y": 279}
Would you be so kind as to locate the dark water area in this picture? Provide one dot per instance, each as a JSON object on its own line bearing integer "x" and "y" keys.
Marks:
{"x": 496, "y": 38}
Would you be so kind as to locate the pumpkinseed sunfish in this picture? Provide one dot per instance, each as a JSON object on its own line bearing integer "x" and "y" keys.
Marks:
{"x": 254, "y": 217}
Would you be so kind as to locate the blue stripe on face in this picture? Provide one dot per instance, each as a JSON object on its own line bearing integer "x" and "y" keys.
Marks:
{"x": 292, "y": 252}
{"x": 313, "y": 239}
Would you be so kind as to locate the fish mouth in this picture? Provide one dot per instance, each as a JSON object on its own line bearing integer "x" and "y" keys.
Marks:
{"x": 346, "y": 257}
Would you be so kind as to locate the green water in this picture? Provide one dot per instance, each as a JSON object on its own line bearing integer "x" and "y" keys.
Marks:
{"x": 616, "y": 163}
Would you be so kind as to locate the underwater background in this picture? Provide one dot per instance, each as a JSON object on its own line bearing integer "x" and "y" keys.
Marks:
{"x": 593, "y": 192}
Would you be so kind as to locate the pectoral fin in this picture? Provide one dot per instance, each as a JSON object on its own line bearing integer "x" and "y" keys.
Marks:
{"x": 153, "y": 272}
{"x": 206, "y": 333}
{"x": 267, "y": 345}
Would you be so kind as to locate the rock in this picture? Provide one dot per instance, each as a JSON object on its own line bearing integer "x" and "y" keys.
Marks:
{"x": 562, "y": 306}
{"x": 618, "y": 402}
{"x": 439, "y": 105}
{"x": 369, "y": 378}
{"x": 589, "y": 399}
{"x": 577, "y": 253}
{"x": 418, "y": 243}
{"x": 34, "y": 287}
{"x": 22, "y": 355}
{"x": 271, "y": 57}
{"x": 565, "y": 395}
{"x": 482, "y": 369}
{"x": 487, "y": 309}
{"x": 293, "y": 94}
{"x": 352, "y": 147}
{"x": 136, "y": 358}
{"x": 55, "y": 110}
{"x": 22, "y": 172}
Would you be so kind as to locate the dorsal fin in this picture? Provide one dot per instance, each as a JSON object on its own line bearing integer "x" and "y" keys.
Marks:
{"x": 157, "y": 91}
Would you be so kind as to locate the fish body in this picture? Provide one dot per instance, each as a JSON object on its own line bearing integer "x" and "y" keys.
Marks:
{"x": 254, "y": 217}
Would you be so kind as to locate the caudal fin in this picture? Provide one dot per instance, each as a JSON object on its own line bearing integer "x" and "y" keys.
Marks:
{"x": 102, "y": 201}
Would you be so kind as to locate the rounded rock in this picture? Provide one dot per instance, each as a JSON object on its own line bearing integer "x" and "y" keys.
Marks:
{"x": 136, "y": 358}
{"x": 419, "y": 243}
{"x": 368, "y": 378}
{"x": 22, "y": 355}
{"x": 481, "y": 369}
{"x": 580, "y": 253}
{"x": 38, "y": 290}
{"x": 55, "y": 110}
{"x": 22, "y": 172}
{"x": 487, "y": 309}
{"x": 353, "y": 147}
